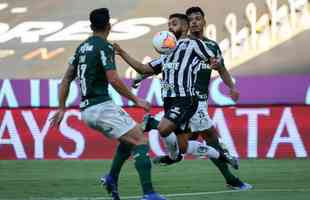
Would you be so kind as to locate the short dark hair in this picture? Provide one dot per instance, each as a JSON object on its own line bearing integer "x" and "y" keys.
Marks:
{"x": 180, "y": 16}
{"x": 194, "y": 9}
{"x": 99, "y": 19}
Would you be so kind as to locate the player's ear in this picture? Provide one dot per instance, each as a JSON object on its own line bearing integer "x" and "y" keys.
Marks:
{"x": 109, "y": 26}
{"x": 204, "y": 22}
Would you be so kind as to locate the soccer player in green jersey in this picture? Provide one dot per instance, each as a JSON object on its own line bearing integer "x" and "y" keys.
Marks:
{"x": 93, "y": 64}
{"x": 197, "y": 24}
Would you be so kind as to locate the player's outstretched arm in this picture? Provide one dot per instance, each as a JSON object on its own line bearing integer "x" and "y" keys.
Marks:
{"x": 226, "y": 77}
{"x": 135, "y": 64}
{"x": 122, "y": 89}
{"x": 63, "y": 95}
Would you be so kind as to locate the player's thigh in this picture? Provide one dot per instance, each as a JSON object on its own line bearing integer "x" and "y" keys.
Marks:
{"x": 179, "y": 111}
{"x": 201, "y": 120}
{"x": 108, "y": 118}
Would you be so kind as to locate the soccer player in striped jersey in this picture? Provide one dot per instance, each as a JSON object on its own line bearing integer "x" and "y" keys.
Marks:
{"x": 206, "y": 129}
{"x": 209, "y": 133}
{"x": 178, "y": 85}
{"x": 179, "y": 71}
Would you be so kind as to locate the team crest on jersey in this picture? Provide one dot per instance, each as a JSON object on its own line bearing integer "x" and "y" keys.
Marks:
{"x": 86, "y": 47}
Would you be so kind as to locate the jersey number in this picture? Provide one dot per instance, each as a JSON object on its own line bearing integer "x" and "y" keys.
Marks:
{"x": 81, "y": 74}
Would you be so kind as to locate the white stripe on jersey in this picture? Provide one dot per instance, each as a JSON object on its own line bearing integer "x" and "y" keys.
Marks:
{"x": 183, "y": 66}
{"x": 175, "y": 59}
{"x": 193, "y": 70}
{"x": 194, "y": 52}
{"x": 205, "y": 48}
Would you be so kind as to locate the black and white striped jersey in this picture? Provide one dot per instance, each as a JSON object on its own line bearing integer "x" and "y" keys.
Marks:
{"x": 181, "y": 66}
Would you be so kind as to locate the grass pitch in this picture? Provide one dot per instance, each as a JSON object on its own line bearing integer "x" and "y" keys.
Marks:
{"x": 190, "y": 179}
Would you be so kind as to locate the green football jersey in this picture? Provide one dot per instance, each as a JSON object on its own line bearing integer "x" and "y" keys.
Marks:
{"x": 92, "y": 59}
{"x": 204, "y": 74}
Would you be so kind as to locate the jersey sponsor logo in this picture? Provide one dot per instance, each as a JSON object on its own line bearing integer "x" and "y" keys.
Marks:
{"x": 204, "y": 65}
{"x": 86, "y": 47}
{"x": 172, "y": 65}
{"x": 166, "y": 86}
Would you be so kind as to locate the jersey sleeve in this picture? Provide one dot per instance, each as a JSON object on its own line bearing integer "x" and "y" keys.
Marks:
{"x": 219, "y": 55}
{"x": 107, "y": 57}
{"x": 202, "y": 50}
{"x": 157, "y": 65}
{"x": 73, "y": 60}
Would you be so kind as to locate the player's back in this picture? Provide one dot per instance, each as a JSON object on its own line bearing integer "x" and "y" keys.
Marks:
{"x": 92, "y": 58}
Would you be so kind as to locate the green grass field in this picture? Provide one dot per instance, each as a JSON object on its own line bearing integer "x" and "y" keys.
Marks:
{"x": 191, "y": 179}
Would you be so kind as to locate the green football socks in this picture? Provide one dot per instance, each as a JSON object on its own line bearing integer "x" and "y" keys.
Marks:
{"x": 143, "y": 166}
{"x": 122, "y": 153}
{"x": 221, "y": 164}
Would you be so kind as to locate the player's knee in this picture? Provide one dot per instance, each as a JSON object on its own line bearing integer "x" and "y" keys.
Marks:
{"x": 165, "y": 127}
{"x": 134, "y": 137}
{"x": 163, "y": 130}
{"x": 210, "y": 135}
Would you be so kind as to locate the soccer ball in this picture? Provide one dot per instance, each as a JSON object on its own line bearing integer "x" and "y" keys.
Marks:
{"x": 164, "y": 42}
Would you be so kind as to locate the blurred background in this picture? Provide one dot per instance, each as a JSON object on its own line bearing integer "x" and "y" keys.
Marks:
{"x": 265, "y": 44}
{"x": 37, "y": 37}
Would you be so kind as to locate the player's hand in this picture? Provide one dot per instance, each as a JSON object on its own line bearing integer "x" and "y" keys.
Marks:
{"x": 234, "y": 94}
{"x": 143, "y": 104}
{"x": 118, "y": 50}
{"x": 57, "y": 118}
{"x": 137, "y": 81}
{"x": 215, "y": 63}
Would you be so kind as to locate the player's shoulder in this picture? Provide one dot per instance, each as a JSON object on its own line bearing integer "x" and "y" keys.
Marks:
{"x": 194, "y": 41}
{"x": 158, "y": 60}
{"x": 210, "y": 42}
{"x": 100, "y": 43}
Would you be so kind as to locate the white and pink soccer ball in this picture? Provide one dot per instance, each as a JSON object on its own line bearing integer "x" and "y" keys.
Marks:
{"x": 164, "y": 42}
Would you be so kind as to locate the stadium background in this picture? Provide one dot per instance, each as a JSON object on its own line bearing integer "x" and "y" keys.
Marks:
{"x": 271, "y": 69}
{"x": 272, "y": 74}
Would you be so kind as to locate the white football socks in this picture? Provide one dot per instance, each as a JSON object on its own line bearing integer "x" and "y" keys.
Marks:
{"x": 172, "y": 146}
{"x": 201, "y": 150}
{"x": 196, "y": 148}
